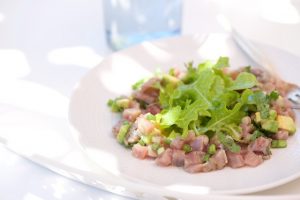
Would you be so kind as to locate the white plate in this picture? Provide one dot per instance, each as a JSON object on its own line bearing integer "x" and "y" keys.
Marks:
{"x": 92, "y": 121}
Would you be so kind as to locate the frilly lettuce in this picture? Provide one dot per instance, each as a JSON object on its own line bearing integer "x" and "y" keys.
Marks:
{"x": 207, "y": 100}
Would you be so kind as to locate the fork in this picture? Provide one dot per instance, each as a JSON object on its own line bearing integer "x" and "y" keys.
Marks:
{"x": 258, "y": 58}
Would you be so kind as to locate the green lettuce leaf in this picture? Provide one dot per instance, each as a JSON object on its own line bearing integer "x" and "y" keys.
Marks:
{"x": 205, "y": 65}
{"x": 200, "y": 89}
{"x": 166, "y": 91}
{"x": 206, "y": 100}
{"x": 244, "y": 80}
{"x": 233, "y": 130}
{"x": 222, "y": 115}
{"x": 190, "y": 114}
{"x": 191, "y": 73}
{"x": 217, "y": 88}
{"x": 170, "y": 116}
{"x": 222, "y": 62}
{"x": 229, "y": 98}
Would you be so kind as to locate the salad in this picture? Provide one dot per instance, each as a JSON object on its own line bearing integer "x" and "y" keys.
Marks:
{"x": 205, "y": 117}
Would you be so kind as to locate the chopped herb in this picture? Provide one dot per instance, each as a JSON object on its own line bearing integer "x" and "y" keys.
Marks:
{"x": 256, "y": 134}
{"x": 228, "y": 142}
{"x": 187, "y": 148}
{"x": 167, "y": 141}
{"x": 206, "y": 157}
{"x": 273, "y": 96}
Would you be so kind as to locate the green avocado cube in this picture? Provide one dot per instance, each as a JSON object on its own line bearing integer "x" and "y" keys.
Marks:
{"x": 257, "y": 118}
{"x": 269, "y": 125}
{"x": 123, "y": 132}
{"x": 273, "y": 114}
{"x": 286, "y": 123}
{"x": 123, "y": 103}
{"x": 170, "y": 79}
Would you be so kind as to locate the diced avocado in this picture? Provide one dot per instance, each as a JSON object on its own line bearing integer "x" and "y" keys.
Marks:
{"x": 156, "y": 131}
{"x": 146, "y": 139}
{"x": 286, "y": 123}
{"x": 212, "y": 149}
{"x": 172, "y": 72}
{"x": 141, "y": 142}
{"x": 170, "y": 79}
{"x": 123, "y": 103}
{"x": 123, "y": 132}
{"x": 279, "y": 144}
{"x": 257, "y": 118}
{"x": 113, "y": 106}
{"x": 269, "y": 125}
{"x": 160, "y": 150}
{"x": 273, "y": 114}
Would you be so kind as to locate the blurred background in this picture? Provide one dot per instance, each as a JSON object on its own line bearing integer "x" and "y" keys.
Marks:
{"x": 47, "y": 46}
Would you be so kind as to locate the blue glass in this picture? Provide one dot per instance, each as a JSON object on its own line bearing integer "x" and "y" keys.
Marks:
{"x": 129, "y": 22}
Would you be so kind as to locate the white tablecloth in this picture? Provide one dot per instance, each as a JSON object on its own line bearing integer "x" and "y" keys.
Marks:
{"x": 46, "y": 46}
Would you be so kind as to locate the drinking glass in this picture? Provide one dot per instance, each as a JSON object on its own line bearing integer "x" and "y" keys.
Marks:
{"x": 129, "y": 22}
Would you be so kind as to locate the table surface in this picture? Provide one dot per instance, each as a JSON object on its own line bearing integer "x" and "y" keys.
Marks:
{"x": 49, "y": 45}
